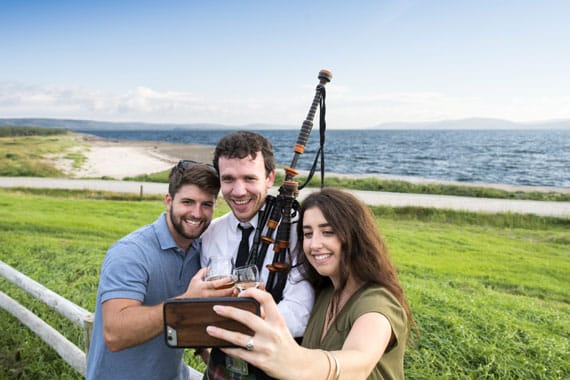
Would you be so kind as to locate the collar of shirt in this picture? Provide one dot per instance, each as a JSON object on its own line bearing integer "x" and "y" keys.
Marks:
{"x": 235, "y": 222}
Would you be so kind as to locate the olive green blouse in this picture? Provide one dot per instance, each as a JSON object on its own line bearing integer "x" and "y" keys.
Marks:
{"x": 365, "y": 300}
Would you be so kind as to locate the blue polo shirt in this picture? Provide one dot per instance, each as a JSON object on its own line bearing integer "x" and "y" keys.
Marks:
{"x": 146, "y": 266}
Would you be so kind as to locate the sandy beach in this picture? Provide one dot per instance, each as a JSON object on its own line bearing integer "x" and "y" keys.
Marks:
{"x": 118, "y": 159}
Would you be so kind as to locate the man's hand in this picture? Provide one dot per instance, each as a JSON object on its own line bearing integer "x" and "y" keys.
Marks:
{"x": 198, "y": 288}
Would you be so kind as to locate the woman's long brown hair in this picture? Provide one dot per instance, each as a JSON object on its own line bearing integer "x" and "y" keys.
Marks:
{"x": 364, "y": 252}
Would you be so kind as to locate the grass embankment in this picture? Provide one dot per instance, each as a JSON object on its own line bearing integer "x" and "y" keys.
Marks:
{"x": 31, "y": 151}
{"x": 33, "y": 156}
{"x": 489, "y": 292}
{"x": 395, "y": 186}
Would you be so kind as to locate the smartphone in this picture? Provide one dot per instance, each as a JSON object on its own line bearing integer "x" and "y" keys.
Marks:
{"x": 185, "y": 320}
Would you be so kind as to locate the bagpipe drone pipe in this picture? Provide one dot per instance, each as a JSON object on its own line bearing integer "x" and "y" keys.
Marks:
{"x": 279, "y": 210}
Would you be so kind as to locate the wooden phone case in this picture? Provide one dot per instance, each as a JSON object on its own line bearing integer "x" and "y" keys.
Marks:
{"x": 185, "y": 320}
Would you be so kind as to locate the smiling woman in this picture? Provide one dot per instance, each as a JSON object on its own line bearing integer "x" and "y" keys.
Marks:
{"x": 359, "y": 300}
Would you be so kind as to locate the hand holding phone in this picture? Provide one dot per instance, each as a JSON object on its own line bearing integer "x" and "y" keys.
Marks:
{"x": 185, "y": 320}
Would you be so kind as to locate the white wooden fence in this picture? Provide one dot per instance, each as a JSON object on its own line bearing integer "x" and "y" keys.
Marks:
{"x": 69, "y": 352}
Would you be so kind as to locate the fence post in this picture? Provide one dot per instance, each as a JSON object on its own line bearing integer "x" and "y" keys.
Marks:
{"x": 87, "y": 331}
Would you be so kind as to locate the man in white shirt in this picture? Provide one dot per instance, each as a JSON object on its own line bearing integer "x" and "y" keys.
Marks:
{"x": 246, "y": 167}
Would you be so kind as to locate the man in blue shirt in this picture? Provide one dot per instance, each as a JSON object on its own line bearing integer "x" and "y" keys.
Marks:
{"x": 145, "y": 268}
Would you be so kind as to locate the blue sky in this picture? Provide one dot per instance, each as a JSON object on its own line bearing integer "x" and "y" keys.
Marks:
{"x": 239, "y": 62}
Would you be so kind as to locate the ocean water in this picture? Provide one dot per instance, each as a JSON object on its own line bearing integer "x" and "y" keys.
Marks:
{"x": 515, "y": 157}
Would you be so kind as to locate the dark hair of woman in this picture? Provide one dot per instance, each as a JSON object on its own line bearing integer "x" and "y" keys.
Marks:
{"x": 364, "y": 252}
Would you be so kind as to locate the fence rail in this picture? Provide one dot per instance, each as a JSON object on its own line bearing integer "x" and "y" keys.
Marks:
{"x": 69, "y": 352}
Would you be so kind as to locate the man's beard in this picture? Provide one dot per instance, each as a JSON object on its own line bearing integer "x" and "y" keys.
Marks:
{"x": 180, "y": 229}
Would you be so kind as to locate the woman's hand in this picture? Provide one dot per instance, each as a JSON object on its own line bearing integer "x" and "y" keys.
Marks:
{"x": 271, "y": 348}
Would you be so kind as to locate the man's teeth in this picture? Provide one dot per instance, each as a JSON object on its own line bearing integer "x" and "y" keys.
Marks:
{"x": 241, "y": 202}
{"x": 193, "y": 222}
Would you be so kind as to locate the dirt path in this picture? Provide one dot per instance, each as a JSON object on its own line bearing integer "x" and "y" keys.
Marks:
{"x": 488, "y": 205}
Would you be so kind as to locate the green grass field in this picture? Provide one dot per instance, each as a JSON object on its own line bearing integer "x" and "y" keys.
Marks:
{"x": 489, "y": 293}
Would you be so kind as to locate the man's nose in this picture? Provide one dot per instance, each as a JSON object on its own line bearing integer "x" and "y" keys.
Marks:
{"x": 196, "y": 211}
{"x": 239, "y": 188}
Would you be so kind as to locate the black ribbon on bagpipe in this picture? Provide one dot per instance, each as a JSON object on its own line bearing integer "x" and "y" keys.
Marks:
{"x": 281, "y": 209}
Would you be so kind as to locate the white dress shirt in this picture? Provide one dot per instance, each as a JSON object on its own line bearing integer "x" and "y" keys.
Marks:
{"x": 223, "y": 237}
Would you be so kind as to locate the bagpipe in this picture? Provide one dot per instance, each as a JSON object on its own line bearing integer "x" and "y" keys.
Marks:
{"x": 281, "y": 209}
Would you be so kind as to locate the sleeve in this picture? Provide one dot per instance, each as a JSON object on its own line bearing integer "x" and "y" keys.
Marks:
{"x": 380, "y": 300}
{"x": 297, "y": 302}
{"x": 124, "y": 273}
{"x": 298, "y": 295}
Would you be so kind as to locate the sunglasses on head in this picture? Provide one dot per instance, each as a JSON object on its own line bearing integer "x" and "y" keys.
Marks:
{"x": 185, "y": 164}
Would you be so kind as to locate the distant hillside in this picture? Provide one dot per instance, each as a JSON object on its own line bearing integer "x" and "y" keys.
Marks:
{"x": 476, "y": 123}
{"x": 84, "y": 125}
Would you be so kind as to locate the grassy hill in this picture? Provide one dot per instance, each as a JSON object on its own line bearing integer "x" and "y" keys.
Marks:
{"x": 489, "y": 292}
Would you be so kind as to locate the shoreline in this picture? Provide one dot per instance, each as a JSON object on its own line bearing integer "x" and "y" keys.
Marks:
{"x": 120, "y": 158}
{"x": 128, "y": 158}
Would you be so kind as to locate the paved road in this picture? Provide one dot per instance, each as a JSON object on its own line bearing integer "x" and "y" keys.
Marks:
{"x": 489, "y": 205}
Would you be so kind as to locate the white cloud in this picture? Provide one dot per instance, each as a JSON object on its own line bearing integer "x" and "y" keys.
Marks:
{"x": 352, "y": 111}
{"x": 344, "y": 110}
